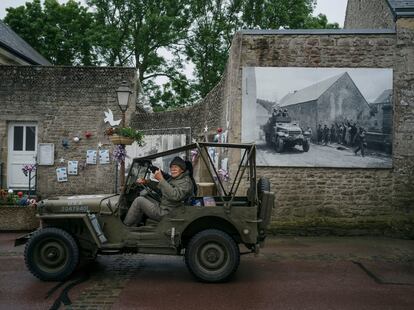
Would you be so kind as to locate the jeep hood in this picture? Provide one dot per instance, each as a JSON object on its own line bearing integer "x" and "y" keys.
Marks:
{"x": 78, "y": 203}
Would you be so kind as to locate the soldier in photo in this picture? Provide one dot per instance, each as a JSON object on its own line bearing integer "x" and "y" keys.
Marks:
{"x": 361, "y": 142}
{"x": 325, "y": 133}
{"x": 319, "y": 133}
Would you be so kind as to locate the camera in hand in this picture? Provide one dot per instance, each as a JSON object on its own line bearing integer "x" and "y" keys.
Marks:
{"x": 153, "y": 168}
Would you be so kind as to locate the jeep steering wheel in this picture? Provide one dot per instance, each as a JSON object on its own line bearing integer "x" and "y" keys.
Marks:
{"x": 150, "y": 192}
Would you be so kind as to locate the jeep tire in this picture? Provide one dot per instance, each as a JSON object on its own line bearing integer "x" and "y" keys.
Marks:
{"x": 263, "y": 185}
{"x": 212, "y": 256}
{"x": 51, "y": 254}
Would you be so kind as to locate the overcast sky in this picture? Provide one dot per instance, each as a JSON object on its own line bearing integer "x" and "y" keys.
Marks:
{"x": 274, "y": 83}
{"x": 333, "y": 9}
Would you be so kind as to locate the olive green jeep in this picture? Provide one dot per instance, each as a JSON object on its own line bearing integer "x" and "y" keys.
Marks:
{"x": 207, "y": 231}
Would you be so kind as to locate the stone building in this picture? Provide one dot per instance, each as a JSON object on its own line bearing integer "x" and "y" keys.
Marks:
{"x": 53, "y": 105}
{"x": 378, "y": 34}
{"x": 63, "y": 102}
{"x": 377, "y": 14}
{"x": 333, "y": 100}
{"x": 42, "y": 104}
{"x": 15, "y": 51}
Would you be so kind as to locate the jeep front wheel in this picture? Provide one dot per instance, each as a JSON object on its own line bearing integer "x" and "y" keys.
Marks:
{"x": 305, "y": 146}
{"x": 51, "y": 254}
{"x": 212, "y": 256}
{"x": 279, "y": 145}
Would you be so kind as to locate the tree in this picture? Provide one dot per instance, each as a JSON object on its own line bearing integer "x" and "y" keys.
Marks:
{"x": 137, "y": 32}
{"x": 157, "y": 37}
{"x": 60, "y": 32}
{"x": 216, "y": 21}
{"x": 319, "y": 22}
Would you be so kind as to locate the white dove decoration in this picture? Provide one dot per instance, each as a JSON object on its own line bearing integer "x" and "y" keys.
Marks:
{"x": 109, "y": 118}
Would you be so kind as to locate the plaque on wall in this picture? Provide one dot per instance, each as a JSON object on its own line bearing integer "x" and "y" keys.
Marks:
{"x": 46, "y": 154}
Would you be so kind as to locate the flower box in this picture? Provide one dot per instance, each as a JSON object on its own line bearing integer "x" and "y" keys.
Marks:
{"x": 18, "y": 218}
{"x": 115, "y": 139}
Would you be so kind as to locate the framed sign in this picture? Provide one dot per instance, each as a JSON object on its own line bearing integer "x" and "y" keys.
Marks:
{"x": 46, "y": 154}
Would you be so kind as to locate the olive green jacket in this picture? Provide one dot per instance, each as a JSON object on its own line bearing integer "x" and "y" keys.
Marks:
{"x": 175, "y": 191}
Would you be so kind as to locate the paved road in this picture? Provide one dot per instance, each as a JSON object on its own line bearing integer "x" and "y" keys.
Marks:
{"x": 332, "y": 155}
{"x": 290, "y": 273}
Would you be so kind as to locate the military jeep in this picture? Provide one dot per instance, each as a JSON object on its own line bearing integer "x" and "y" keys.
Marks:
{"x": 282, "y": 133}
{"x": 208, "y": 235}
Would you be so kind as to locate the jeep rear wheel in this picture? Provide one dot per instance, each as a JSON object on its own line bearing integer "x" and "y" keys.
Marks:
{"x": 51, "y": 254}
{"x": 212, "y": 256}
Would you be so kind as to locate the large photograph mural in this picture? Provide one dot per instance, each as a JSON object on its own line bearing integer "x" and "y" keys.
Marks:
{"x": 319, "y": 117}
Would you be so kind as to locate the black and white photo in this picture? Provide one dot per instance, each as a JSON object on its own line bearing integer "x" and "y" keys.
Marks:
{"x": 319, "y": 117}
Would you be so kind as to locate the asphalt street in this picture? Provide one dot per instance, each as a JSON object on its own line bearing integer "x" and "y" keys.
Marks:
{"x": 290, "y": 273}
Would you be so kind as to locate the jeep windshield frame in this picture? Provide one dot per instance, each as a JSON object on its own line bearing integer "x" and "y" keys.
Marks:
{"x": 247, "y": 162}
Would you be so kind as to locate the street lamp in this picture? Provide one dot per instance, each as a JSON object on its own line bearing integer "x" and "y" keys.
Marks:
{"x": 123, "y": 92}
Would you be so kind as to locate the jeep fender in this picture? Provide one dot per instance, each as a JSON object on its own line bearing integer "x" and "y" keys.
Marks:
{"x": 45, "y": 219}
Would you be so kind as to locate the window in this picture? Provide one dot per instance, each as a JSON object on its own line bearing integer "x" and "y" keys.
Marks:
{"x": 24, "y": 138}
{"x": 18, "y": 138}
{"x": 30, "y": 138}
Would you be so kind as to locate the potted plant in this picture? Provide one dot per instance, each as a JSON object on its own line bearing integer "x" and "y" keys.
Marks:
{"x": 124, "y": 135}
{"x": 17, "y": 211}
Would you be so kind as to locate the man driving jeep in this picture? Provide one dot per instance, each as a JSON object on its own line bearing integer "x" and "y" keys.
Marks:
{"x": 174, "y": 192}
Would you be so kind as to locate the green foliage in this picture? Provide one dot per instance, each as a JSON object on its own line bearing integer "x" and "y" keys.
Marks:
{"x": 217, "y": 21}
{"x": 319, "y": 22}
{"x": 156, "y": 37}
{"x": 8, "y": 198}
{"x": 59, "y": 32}
{"x": 140, "y": 33}
{"x": 129, "y": 132}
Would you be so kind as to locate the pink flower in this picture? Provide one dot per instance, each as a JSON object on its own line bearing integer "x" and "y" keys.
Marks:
{"x": 28, "y": 168}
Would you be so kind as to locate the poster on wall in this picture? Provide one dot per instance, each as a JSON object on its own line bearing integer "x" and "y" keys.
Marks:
{"x": 91, "y": 157}
{"x": 319, "y": 117}
{"x": 61, "y": 174}
{"x": 154, "y": 144}
{"x": 104, "y": 157}
{"x": 73, "y": 167}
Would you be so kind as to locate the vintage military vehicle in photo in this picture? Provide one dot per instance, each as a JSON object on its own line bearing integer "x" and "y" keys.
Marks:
{"x": 209, "y": 236}
{"x": 282, "y": 133}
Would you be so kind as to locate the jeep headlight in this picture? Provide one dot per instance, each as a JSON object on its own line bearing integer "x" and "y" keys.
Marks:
{"x": 40, "y": 207}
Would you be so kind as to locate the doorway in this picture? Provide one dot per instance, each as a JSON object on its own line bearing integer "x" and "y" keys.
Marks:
{"x": 22, "y": 150}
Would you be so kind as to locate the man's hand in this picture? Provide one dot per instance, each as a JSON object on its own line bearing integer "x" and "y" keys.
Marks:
{"x": 158, "y": 175}
{"x": 142, "y": 181}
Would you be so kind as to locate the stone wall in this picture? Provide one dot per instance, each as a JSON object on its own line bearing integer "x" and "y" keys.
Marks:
{"x": 321, "y": 200}
{"x": 18, "y": 218}
{"x": 64, "y": 102}
{"x": 339, "y": 200}
{"x": 369, "y": 14}
{"x": 205, "y": 113}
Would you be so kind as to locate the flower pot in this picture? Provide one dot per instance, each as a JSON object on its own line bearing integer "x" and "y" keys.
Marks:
{"x": 18, "y": 218}
{"x": 115, "y": 139}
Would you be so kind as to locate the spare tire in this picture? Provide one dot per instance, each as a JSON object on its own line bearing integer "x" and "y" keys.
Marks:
{"x": 263, "y": 185}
